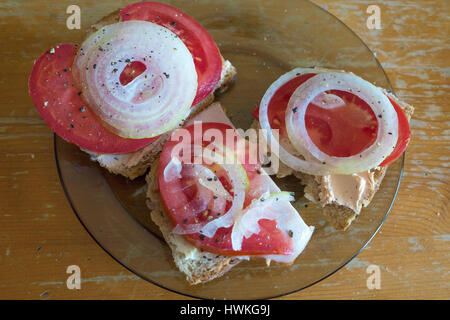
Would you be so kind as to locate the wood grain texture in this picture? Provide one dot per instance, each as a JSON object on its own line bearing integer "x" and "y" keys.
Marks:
{"x": 40, "y": 236}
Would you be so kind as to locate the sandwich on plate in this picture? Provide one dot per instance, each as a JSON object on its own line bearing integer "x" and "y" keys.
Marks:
{"x": 338, "y": 133}
{"x": 214, "y": 203}
{"x": 138, "y": 93}
{"x": 141, "y": 72}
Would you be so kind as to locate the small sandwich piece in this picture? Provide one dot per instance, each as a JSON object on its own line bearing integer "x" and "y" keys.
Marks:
{"x": 346, "y": 120}
{"x": 141, "y": 72}
{"x": 216, "y": 212}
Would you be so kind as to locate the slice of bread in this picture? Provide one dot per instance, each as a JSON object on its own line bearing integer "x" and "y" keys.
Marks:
{"x": 316, "y": 188}
{"x": 198, "y": 266}
{"x": 134, "y": 164}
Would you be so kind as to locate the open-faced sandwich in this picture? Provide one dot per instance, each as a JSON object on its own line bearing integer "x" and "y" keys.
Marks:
{"x": 337, "y": 134}
{"x": 141, "y": 72}
{"x": 215, "y": 205}
{"x": 137, "y": 94}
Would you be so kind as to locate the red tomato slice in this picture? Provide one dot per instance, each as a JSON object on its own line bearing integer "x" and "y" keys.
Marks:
{"x": 340, "y": 132}
{"x": 343, "y": 131}
{"x": 207, "y": 58}
{"x": 58, "y": 102}
{"x": 404, "y": 135}
{"x": 131, "y": 71}
{"x": 185, "y": 205}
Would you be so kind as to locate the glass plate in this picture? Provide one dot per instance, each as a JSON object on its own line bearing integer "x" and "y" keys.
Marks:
{"x": 263, "y": 39}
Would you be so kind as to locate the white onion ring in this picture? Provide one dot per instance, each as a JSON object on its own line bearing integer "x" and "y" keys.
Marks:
{"x": 287, "y": 158}
{"x": 246, "y": 222}
{"x": 239, "y": 181}
{"x": 172, "y": 170}
{"x": 274, "y": 207}
{"x": 209, "y": 180}
{"x": 367, "y": 159}
{"x": 328, "y": 101}
{"x": 317, "y": 162}
{"x": 156, "y": 100}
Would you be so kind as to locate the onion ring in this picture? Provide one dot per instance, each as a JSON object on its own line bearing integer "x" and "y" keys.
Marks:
{"x": 316, "y": 162}
{"x": 157, "y": 99}
{"x": 274, "y": 207}
{"x": 239, "y": 182}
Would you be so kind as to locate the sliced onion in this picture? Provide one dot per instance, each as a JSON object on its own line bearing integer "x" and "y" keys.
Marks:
{"x": 276, "y": 207}
{"x": 312, "y": 90}
{"x": 157, "y": 99}
{"x": 240, "y": 183}
{"x": 208, "y": 179}
{"x": 287, "y": 158}
{"x": 173, "y": 170}
{"x": 328, "y": 101}
{"x": 246, "y": 222}
{"x": 369, "y": 158}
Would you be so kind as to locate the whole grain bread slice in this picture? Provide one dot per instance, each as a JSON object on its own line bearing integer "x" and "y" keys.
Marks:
{"x": 135, "y": 164}
{"x": 198, "y": 266}
{"x": 339, "y": 216}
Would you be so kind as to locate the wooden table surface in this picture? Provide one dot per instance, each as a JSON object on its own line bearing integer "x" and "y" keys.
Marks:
{"x": 39, "y": 237}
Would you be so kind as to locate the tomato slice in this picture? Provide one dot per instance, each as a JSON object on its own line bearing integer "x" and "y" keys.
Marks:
{"x": 207, "y": 58}
{"x": 185, "y": 204}
{"x": 58, "y": 102}
{"x": 404, "y": 135}
{"x": 131, "y": 71}
{"x": 341, "y": 131}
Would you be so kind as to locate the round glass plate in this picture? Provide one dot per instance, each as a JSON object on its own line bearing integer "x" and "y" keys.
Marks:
{"x": 263, "y": 39}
